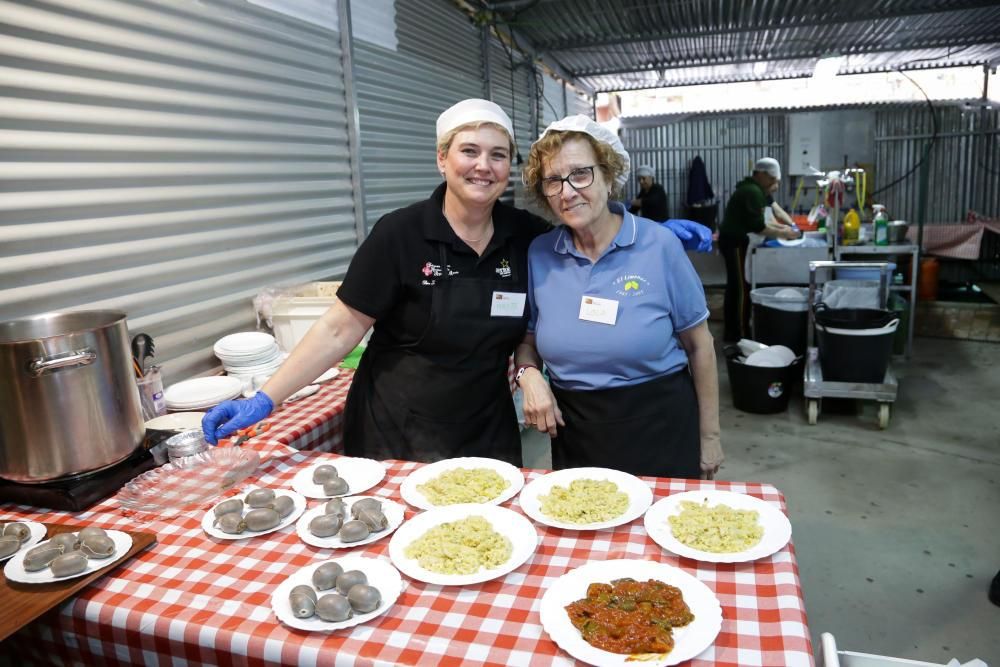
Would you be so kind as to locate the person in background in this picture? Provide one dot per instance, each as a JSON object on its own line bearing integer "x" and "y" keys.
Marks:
{"x": 744, "y": 214}
{"x": 618, "y": 316}
{"x": 651, "y": 201}
{"x": 443, "y": 282}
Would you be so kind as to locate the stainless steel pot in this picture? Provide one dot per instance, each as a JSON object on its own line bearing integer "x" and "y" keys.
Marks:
{"x": 68, "y": 400}
{"x": 897, "y": 232}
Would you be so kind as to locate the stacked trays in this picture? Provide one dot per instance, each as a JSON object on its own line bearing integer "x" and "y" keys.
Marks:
{"x": 201, "y": 393}
{"x": 247, "y": 354}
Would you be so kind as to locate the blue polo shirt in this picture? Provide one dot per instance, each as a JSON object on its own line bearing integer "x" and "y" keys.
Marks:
{"x": 658, "y": 292}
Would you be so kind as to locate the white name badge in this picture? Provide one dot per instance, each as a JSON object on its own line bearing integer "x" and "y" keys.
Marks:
{"x": 602, "y": 311}
{"x": 507, "y": 304}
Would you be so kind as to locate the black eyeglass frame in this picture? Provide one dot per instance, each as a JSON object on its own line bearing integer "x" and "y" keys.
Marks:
{"x": 552, "y": 180}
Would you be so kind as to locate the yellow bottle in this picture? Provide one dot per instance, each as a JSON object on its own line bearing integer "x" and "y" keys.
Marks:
{"x": 852, "y": 227}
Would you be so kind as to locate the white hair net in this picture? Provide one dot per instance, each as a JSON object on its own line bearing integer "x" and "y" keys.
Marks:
{"x": 580, "y": 123}
{"x": 768, "y": 165}
{"x": 473, "y": 111}
{"x": 644, "y": 171}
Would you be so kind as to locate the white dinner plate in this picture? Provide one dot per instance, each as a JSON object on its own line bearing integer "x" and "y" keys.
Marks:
{"x": 777, "y": 528}
{"x": 207, "y": 521}
{"x": 360, "y": 475}
{"x": 689, "y": 641}
{"x": 639, "y": 495}
{"x": 327, "y": 375}
{"x": 393, "y": 513}
{"x": 381, "y": 575}
{"x": 176, "y": 421}
{"x": 200, "y": 392}
{"x": 36, "y": 534}
{"x": 412, "y": 494}
{"x": 244, "y": 342}
{"x": 522, "y": 535}
{"x": 14, "y": 569}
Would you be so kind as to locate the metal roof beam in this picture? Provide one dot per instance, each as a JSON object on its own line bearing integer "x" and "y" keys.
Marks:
{"x": 943, "y": 43}
{"x": 566, "y": 44}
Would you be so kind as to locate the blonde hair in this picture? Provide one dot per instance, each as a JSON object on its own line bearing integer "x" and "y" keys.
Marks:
{"x": 445, "y": 142}
{"x": 611, "y": 164}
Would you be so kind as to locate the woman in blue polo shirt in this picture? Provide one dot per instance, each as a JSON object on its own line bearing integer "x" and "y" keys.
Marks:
{"x": 618, "y": 315}
{"x": 443, "y": 282}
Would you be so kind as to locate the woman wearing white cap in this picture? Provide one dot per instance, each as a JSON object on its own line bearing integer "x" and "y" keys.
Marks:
{"x": 618, "y": 315}
{"x": 444, "y": 283}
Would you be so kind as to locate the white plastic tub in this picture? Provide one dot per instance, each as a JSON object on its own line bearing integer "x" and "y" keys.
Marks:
{"x": 293, "y": 316}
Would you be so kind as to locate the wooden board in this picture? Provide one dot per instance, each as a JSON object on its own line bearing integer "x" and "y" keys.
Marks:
{"x": 20, "y": 604}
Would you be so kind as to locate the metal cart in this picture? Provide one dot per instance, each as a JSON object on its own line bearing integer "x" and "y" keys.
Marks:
{"x": 815, "y": 387}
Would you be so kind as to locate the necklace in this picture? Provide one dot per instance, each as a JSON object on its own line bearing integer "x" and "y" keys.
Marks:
{"x": 489, "y": 230}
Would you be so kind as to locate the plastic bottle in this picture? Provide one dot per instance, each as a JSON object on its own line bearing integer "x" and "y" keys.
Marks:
{"x": 881, "y": 225}
{"x": 852, "y": 227}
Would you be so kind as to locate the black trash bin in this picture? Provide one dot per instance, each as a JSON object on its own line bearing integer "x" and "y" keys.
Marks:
{"x": 781, "y": 317}
{"x": 760, "y": 389}
{"x": 855, "y": 355}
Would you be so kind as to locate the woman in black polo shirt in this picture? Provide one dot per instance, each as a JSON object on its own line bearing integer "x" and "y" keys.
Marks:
{"x": 443, "y": 282}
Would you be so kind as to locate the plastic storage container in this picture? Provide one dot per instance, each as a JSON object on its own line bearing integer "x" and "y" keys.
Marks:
{"x": 781, "y": 316}
{"x": 760, "y": 389}
{"x": 856, "y": 273}
{"x": 292, "y": 316}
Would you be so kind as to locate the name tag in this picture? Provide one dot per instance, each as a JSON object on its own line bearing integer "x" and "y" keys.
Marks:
{"x": 508, "y": 304}
{"x": 602, "y": 311}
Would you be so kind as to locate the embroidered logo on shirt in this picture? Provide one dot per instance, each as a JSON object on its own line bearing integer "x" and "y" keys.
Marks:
{"x": 630, "y": 285}
{"x": 431, "y": 270}
{"x": 504, "y": 269}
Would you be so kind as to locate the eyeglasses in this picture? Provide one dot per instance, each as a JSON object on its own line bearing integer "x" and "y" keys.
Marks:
{"x": 578, "y": 179}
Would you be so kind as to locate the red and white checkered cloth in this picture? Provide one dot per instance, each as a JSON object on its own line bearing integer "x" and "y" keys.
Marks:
{"x": 194, "y": 598}
{"x": 315, "y": 422}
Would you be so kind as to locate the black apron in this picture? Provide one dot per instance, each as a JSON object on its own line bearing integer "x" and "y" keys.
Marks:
{"x": 646, "y": 429}
{"x": 446, "y": 394}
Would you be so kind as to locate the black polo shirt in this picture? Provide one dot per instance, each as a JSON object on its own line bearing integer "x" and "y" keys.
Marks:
{"x": 394, "y": 270}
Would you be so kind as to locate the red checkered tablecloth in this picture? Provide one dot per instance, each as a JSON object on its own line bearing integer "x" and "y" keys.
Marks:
{"x": 315, "y": 422}
{"x": 198, "y": 599}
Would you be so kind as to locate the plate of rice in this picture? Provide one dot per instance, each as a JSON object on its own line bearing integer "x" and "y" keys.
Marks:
{"x": 462, "y": 544}
{"x": 586, "y": 498}
{"x": 718, "y": 526}
{"x": 462, "y": 480}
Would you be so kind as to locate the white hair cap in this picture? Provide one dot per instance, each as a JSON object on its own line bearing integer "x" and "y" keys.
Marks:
{"x": 471, "y": 111}
{"x": 580, "y": 123}
{"x": 644, "y": 171}
{"x": 768, "y": 165}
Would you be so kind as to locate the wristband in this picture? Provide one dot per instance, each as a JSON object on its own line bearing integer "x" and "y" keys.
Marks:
{"x": 520, "y": 371}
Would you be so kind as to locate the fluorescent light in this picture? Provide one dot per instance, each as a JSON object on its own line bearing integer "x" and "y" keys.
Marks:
{"x": 759, "y": 68}
{"x": 827, "y": 67}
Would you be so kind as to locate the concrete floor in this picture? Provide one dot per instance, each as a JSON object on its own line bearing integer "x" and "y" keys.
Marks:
{"x": 896, "y": 532}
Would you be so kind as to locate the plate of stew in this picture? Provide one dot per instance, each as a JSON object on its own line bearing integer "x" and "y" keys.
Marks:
{"x": 626, "y": 612}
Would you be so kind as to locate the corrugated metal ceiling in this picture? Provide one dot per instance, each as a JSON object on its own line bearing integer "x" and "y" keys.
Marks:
{"x": 613, "y": 45}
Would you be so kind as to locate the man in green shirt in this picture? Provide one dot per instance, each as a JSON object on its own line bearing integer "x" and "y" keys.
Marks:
{"x": 745, "y": 214}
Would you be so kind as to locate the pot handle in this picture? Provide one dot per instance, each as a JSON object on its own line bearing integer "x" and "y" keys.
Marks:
{"x": 42, "y": 365}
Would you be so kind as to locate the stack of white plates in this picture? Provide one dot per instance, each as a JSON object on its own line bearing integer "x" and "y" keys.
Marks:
{"x": 201, "y": 393}
{"x": 249, "y": 353}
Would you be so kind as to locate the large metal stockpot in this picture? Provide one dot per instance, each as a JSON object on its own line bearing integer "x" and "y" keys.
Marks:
{"x": 68, "y": 399}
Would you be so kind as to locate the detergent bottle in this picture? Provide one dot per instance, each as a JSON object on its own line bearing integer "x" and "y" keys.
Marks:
{"x": 852, "y": 227}
{"x": 881, "y": 225}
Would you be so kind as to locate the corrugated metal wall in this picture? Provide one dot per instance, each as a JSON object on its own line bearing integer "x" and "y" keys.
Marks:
{"x": 554, "y": 98}
{"x": 400, "y": 94}
{"x": 964, "y": 163}
{"x": 729, "y": 145}
{"x": 514, "y": 90}
{"x": 169, "y": 160}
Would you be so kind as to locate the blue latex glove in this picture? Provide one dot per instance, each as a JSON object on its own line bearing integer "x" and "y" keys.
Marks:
{"x": 692, "y": 235}
{"x": 230, "y": 416}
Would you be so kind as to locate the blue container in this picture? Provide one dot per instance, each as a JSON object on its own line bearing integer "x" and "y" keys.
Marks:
{"x": 854, "y": 273}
